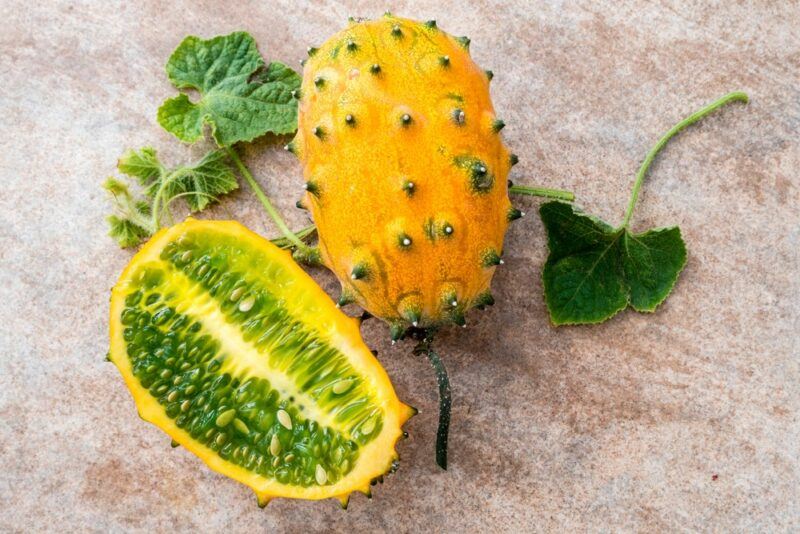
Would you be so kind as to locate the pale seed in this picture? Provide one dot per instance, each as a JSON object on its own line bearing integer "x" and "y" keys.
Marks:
{"x": 320, "y": 475}
{"x": 275, "y": 446}
{"x": 226, "y": 417}
{"x": 247, "y": 304}
{"x": 285, "y": 419}
{"x": 241, "y": 426}
{"x": 342, "y": 386}
{"x": 368, "y": 427}
{"x": 237, "y": 293}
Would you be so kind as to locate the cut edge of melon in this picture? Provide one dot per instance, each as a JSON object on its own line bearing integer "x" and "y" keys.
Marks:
{"x": 375, "y": 458}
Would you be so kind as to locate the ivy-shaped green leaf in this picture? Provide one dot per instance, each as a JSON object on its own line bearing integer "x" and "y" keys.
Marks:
{"x": 595, "y": 270}
{"x": 239, "y": 98}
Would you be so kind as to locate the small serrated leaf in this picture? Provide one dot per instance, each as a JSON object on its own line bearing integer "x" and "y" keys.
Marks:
{"x": 202, "y": 183}
{"x": 142, "y": 164}
{"x": 240, "y": 98}
{"x": 125, "y": 232}
{"x": 130, "y": 223}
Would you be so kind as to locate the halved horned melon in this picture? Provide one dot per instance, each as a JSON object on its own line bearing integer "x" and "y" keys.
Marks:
{"x": 236, "y": 353}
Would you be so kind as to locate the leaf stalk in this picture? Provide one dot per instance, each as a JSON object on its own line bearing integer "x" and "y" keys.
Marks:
{"x": 264, "y": 199}
{"x": 736, "y": 96}
{"x": 542, "y": 192}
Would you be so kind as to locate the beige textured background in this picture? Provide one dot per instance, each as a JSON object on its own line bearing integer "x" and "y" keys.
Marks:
{"x": 682, "y": 420}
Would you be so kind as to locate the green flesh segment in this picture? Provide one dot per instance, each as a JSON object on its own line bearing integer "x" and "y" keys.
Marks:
{"x": 299, "y": 414}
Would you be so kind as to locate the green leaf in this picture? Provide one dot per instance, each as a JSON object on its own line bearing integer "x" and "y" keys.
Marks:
{"x": 142, "y": 164}
{"x": 137, "y": 218}
{"x": 125, "y": 232}
{"x": 240, "y": 98}
{"x": 131, "y": 223}
{"x": 594, "y": 271}
{"x": 200, "y": 184}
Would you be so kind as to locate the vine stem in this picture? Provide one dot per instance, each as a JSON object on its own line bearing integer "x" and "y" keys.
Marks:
{"x": 542, "y": 192}
{"x": 736, "y": 96}
{"x": 156, "y": 213}
{"x": 264, "y": 199}
{"x": 425, "y": 346}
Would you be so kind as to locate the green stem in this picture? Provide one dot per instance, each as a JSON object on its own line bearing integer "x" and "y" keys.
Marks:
{"x": 306, "y": 232}
{"x": 541, "y": 192}
{"x": 425, "y": 346}
{"x": 155, "y": 210}
{"x": 265, "y": 200}
{"x": 688, "y": 121}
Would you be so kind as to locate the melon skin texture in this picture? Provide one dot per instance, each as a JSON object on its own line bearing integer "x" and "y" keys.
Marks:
{"x": 405, "y": 170}
{"x": 230, "y": 348}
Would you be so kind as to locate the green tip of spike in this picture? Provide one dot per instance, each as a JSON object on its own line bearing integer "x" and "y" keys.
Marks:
{"x": 351, "y": 45}
{"x": 491, "y": 258}
{"x": 302, "y": 62}
{"x": 405, "y": 119}
{"x": 513, "y": 159}
{"x": 431, "y": 24}
{"x": 457, "y": 316}
{"x": 481, "y": 180}
{"x": 349, "y": 120}
{"x": 484, "y": 299}
{"x": 489, "y": 75}
{"x": 299, "y": 204}
{"x": 319, "y": 132}
{"x": 459, "y": 117}
{"x": 413, "y": 316}
{"x": 449, "y": 300}
{"x": 444, "y": 61}
{"x": 387, "y": 14}
{"x": 174, "y": 444}
{"x": 396, "y": 331}
{"x": 312, "y": 50}
{"x": 375, "y": 69}
{"x": 290, "y": 147}
{"x": 498, "y": 125}
{"x": 514, "y": 214}
{"x": 463, "y": 41}
{"x": 297, "y": 94}
{"x": 409, "y": 187}
{"x": 312, "y": 187}
{"x": 359, "y": 272}
{"x": 345, "y": 298}
{"x": 319, "y": 81}
{"x": 397, "y": 31}
{"x": 404, "y": 241}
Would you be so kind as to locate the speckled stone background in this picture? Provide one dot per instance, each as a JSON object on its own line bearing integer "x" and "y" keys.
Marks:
{"x": 685, "y": 420}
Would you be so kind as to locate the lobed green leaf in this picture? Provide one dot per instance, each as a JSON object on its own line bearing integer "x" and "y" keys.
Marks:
{"x": 594, "y": 271}
{"x": 240, "y": 97}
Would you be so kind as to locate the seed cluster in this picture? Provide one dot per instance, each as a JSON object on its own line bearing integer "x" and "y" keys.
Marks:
{"x": 235, "y": 413}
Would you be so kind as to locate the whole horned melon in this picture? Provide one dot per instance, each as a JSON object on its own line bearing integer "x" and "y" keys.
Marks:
{"x": 405, "y": 170}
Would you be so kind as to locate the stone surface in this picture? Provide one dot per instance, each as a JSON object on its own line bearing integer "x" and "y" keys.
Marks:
{"x": 686, "y": 419}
